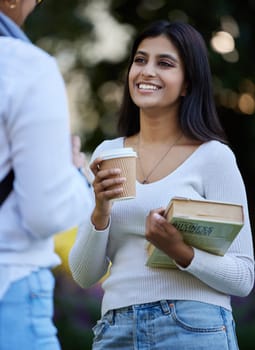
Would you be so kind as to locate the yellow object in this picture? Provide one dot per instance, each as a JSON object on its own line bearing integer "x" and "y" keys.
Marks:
{"x": 63, "y": 243}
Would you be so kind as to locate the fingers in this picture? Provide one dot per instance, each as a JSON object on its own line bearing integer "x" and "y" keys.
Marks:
{"x": 108, "y": 188}
{"x": 76, "y": 142}
{"x": 155, "y": 219}
{"x": 79, "y": 158}
{"x": 157, "y": 227}
{"x": 101, "y": 175}
{"x": 159, "y": 211}
{"x": 154, "y": 226}
{"x": 95, "y": 165}
{"x": 107, "y": 183}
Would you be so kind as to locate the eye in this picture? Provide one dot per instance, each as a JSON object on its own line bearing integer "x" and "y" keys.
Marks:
{"x": 165, "y": 64}
{"x": 139, "y": 59}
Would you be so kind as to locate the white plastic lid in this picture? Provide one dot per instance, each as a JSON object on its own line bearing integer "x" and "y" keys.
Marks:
{"x": 118, "y": 153}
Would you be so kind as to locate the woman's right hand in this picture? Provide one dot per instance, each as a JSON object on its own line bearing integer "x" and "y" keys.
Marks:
{"x": 105, "y": 189}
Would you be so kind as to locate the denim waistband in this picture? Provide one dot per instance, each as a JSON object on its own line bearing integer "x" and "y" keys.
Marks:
{"x": 171, "y": 324}
{"x": 165, "y": 306}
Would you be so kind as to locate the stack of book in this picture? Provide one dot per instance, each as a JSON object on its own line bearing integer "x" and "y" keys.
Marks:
{"x": 207, "y": 225}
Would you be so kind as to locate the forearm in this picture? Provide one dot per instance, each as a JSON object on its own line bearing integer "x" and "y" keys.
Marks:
{"x": 230, "y": 274}
{"x": 87, "y": 259}
{"x": 233, "y": 273}
{"x": 184, "y": 255}
{"x": 99, "y": 220}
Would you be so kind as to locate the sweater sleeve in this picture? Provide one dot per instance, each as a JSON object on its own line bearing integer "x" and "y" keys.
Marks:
{"x": 233, "y": 273}
{"x": 88, "y": 259}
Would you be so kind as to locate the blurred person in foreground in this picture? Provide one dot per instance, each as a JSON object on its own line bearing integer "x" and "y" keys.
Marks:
{"x": 48, "y": 193}
{"x": 168, "y": 117}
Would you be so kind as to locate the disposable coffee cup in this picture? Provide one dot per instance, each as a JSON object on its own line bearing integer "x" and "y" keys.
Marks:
{"x": 124, "y": 159}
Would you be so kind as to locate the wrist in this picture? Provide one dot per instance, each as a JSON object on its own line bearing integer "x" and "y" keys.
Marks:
{"x": 100, "y": 220}
{"x": 184, "y": 256}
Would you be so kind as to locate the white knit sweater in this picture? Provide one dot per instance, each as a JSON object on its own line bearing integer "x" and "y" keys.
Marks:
{"x": 210, "y": 172}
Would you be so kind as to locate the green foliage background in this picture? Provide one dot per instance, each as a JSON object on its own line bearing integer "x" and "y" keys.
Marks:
{"x": 64, "y": 27}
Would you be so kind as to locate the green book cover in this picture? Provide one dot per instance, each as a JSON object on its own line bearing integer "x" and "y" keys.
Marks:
{"x": 213, "y": 236}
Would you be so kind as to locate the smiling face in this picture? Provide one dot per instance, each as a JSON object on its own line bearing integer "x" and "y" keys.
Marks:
{"x": 156, "y": 76}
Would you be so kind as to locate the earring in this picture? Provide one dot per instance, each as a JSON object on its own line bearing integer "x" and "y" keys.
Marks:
{"x": 13, "y": 4}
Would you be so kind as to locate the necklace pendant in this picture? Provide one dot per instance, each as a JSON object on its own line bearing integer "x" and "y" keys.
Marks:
{"x": 148, "y": 175}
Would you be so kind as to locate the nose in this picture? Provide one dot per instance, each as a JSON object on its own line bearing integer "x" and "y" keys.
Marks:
{"x": 148, "y": 70}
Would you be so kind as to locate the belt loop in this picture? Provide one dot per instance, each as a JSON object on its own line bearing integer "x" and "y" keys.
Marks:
{"x": 111, "y": 316}
{"x": 165, "y": 307}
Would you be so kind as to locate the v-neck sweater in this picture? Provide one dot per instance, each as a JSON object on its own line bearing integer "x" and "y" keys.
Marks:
{"x": 210, "y": 172}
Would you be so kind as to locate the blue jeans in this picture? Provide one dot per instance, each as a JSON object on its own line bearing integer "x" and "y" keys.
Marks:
{"x": 166, "y": 325}
{"x": 26, "y": 314}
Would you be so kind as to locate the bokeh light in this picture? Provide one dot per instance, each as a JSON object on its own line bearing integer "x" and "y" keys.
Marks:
{"x": 246, "y": 104}
{"x": 223, "y": 42}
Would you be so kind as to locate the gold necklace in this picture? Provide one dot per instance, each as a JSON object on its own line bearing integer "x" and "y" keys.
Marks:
{"x": 146, "y": 177}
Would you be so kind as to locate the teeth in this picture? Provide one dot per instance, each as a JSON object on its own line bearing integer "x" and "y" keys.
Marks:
{"x": 147, "y": 87}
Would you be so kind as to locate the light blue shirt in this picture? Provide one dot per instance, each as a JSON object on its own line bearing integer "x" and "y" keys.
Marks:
{"x": 49, "y": 193}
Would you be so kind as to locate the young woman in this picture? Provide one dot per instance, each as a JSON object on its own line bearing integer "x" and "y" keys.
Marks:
{"x": 48, "y": 194}
{"x": 168, "y": 116}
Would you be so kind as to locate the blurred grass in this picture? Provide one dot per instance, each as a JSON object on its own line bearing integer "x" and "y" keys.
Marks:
{"x": 76, "y": 309}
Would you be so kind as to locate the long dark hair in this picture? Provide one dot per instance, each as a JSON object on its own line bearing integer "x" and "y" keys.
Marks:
{"x": 198, "y": 116}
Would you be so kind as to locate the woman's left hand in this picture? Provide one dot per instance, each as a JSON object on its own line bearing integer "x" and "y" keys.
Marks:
{"x": 167, "y": 238}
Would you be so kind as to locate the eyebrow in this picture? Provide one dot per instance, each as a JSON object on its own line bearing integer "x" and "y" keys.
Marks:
{"x": 163, "y": 55}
